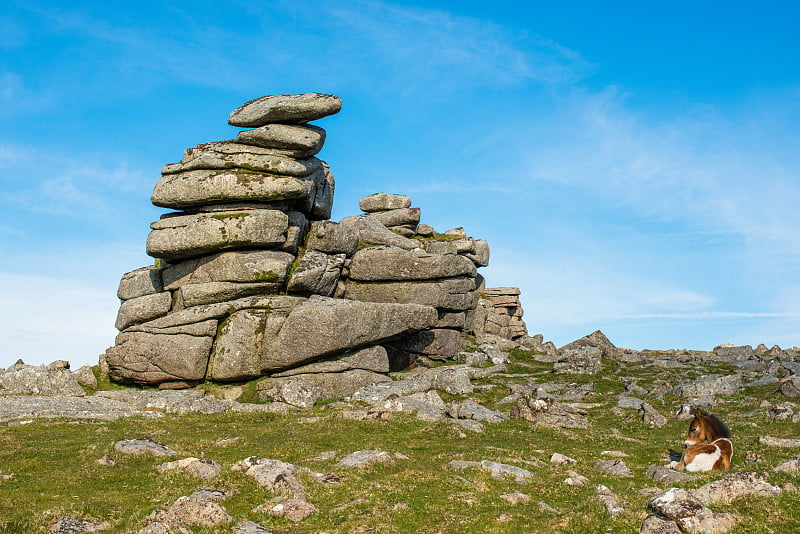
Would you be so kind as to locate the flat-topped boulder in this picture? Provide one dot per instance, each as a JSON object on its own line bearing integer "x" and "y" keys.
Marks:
{"x": 383, "y": 201}
{"x": 228, "y": 154}
{"x": 454, "y": 294}
{"x": 323, "y": 327}
{"x": 203, "y": 187}
{"x": 187, "y": 236}
{"x": 300, "y": 108}
{"x": 297, "y": 141}
{"x": 396, "y": 264}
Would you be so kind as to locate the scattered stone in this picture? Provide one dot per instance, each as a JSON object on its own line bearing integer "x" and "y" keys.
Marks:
{"x": 198, "y": 467}
{"x": 505, "y": 518}
{"x": 294, "y": 510}
{"x": 614, "y": 454}
{"x": 200, "y": 509}
{"x": 781, "y": 411}
{"x": 575, "y": 479}
{"x": 549, "y": 413}
{"x": 85, "y": 377}
{"x": 650, "y": 416}
{"x": 689, "y": 513}
{"x": 779, "y": 442}
{"x": 664, "y": 474}
{"x": 469, "y": 409}
{"x": 106, "y": 460}
{"x": 365, "y": 458}
{"x": 250, "y": 527}
{"x": 164, "y": 522}
{"x": 68, "y": 525}
{"x": 735, "y": 485}
{"x": 143, "y": 446}
{"x": 658, "y": 524}
{"x": 516, "y": 497}
{"x": 497, "y": 469}
{"x": 579, "y": 360}
{"x": 323, "y": 456}
{"x": 559, "y": 459}
{"x": 609, "y": 500}
{"x": 544, "y": 507}
{"x": 709, "y": 386}
{"x": 789, "y": 466}
{"x": 617, "y": 468}
{"x": 753, "y": 458}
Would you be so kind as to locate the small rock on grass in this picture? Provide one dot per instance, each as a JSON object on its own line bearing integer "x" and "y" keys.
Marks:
{"x": 658, "y": 524}
{"x": 560, "y": 459}
{"x": 365, "y": 458}
{"x": 294, "y": 510}
{"x": 516, "y": 497}
{"x": 197, "y": 467}
{"x": 69, "y": 524}
{"x": 575, "y": 479}
{"x": 143, "y": 446}
{"x": 250, "y": 527}
{"x": 779, "y": 442}
{"x": 614, "y": 467}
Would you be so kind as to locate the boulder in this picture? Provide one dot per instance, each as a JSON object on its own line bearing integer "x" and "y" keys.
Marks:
{"x": 293, "y": 390}
{"x": 658, "y": 524}
{"x": 317, "y": 274}
{"x": 322, "y": 327}
{"x": 331, "y": 386}
{"x": 370, "y": 359}
{"x": 238, "y": 266}
{"x": 297, "y": 141}
{"x": 398, "y": 217}
{"x": 85, "y": 377}
{"x": 735, "y": 485}
{"x": 147, "y": 358}
{"x": 709, "y": 386}
{"x": 689, "y": 513}
{"x": 595, "y": 339}
{"x": 579, "y": 360}
{"x": 143, "y": 446}
{"x": 371, "y": 232}
{"x": 549, "y": 413}
{"x": 222, "y": 155}
{"x": 186, "y": 236}
{"x": 735, "y": 354}
{"x": 142, "y": 309}
{"x": 615, "y": 467}
{"x": 469, "y": 409}
{"x": 382, "y": 202}
{"x": 292, "y": 109}
{"x": 22, "y": 379}
{"x": 396, "y": 264}
{"x": 332, "y": 238}
{"x": 452, "y": 294}
{"x": 203, "y": 468}
{"x": 205, "y": 187}
{"x": 436, "y": 343}
{"x": 650, "y": 416}
{"x": 200, "y": 510}
{"x": 141, "y": 282}
{"x": 480, "y": 256}
{"x": 236, "y": 354}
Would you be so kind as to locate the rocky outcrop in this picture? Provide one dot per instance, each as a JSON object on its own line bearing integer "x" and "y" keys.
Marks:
{"x": 251, "y": 279}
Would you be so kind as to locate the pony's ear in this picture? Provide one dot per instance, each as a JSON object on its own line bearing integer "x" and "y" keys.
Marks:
{"x": 698, "y": 413}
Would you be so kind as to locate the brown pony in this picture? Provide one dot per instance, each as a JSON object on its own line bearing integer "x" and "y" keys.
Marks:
{"x": 699, "y": 456}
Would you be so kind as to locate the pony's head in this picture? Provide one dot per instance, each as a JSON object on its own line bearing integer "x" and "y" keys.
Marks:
{"x": 705, "y": 427}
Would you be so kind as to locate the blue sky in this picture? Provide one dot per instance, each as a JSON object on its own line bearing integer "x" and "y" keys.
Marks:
{"x": 634, "y": 166}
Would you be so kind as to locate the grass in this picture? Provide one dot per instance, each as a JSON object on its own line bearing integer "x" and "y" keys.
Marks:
{"x": 56, "y": 473}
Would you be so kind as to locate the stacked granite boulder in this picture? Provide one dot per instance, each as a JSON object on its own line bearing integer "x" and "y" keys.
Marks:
{"x": 251, "y": 279}
{"x": 499, "y": 313}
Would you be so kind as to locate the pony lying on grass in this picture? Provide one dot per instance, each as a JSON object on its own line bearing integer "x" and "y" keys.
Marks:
{"x": 698, "y": 456}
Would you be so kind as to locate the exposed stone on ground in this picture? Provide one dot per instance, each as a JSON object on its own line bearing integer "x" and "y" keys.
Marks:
{"x": 709, "y": 386}
{"x": 198, "y": 467}
{"x": 575, "y": 479}
{"x": 498, "y": 470}
{"x": 658, "y": 524}
{"x": 164, "y": 522}
{"x": 549, "y": 413}
{"x": 689, "y": 513}
{"x": 365, "y": 458}
{"x": 251, "y": 527}
{"x": 735, "y": 485}
{"x": 779, "y": 442}
{"x": 516, "y": 497}
{"x": 579, "y": 360}
{"x": 661, "y": 473}
{"x": 789, "y": 466}
{"x": 614, "y": 467}
{"x": 143, "y": 446}
{"x": 559, "y": 459}
{"x": 596, "y": 339}
{"x": 69, "y": 524}
{"x": 609, "y": 500}
{"x": 201, "y": 509}
{"x": 469, "y": 409}
{"x": 52, "y": 379}
{"x": 650, "y": 416}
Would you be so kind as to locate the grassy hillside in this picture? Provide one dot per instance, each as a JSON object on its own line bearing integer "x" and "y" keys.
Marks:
{"x": 55, "y": 472}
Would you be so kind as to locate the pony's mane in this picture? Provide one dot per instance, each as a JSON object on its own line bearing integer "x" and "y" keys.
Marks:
{"x": 718, "y": 426}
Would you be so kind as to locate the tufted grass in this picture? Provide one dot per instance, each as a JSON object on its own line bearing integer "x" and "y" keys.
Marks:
{"x": 56, "y": 474}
